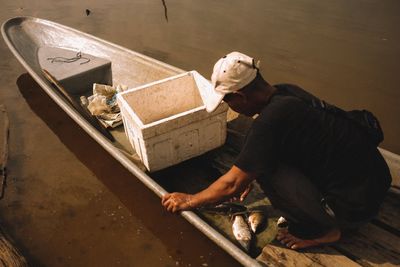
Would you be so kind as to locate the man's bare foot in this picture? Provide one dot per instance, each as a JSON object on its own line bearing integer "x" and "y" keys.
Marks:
{"x": 293, "y": 242}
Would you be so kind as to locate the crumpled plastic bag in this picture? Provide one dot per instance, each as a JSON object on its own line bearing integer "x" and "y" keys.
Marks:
{"x": 103, "y": 104}
{"x": 98, "y": 105}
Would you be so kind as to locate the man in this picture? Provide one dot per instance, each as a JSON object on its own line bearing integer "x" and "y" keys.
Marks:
{"x": 319, "y": 168}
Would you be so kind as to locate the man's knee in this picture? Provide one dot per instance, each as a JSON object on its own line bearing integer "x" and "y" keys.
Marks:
{"x": 290, "y": 183}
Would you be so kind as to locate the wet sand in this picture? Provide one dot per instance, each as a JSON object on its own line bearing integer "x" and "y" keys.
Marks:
{"x": 68, "y": 203}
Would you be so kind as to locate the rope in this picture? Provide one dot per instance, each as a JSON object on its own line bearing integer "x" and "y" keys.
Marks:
{"x": 69, "y": 60}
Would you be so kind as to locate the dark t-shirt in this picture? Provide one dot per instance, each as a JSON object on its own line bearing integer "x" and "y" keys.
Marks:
{"x": 329, "y": 149}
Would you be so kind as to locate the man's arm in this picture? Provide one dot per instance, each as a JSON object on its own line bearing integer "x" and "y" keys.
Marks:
{"x": 227, "y": 186}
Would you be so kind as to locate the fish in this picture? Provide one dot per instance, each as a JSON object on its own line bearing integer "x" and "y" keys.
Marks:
{"x": 256, "y": 219}
{"x": 226, "y": 208}
{"x": 241, "y": 231}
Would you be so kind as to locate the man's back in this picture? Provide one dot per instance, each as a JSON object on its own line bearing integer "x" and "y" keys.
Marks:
{"x": 316, "y": 141}
{"x": 329, "y": 149}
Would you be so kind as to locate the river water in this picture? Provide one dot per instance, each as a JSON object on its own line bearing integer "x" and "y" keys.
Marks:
{"x": 68, "y": 203}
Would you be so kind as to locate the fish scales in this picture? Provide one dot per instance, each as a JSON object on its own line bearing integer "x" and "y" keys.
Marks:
{"x": 241, "y": 231}
{"x": 256, "y": 220}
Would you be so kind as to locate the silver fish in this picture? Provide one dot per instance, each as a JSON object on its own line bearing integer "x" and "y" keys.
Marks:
{"x": 256, "y": 219}
{"x": 241, "y": 231}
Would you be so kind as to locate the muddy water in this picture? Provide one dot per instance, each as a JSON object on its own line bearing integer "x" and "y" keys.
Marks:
{"x": 68, "y": 203}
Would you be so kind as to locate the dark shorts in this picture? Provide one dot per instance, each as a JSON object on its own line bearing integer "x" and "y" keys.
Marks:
{"x": 303, "y": 203}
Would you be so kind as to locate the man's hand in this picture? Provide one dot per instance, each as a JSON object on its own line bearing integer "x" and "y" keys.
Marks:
{"x": 175, "y": 202}
{"x": 243, "y": 195}
{"x": 234, "y": 183}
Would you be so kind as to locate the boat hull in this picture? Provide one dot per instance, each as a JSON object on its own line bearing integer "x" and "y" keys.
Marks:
{"x": 25, "y": 35}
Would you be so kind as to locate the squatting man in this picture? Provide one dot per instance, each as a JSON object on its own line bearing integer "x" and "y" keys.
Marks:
{"x": 319, "y": 169}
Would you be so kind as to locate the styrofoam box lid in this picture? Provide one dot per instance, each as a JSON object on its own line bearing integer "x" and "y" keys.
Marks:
{"x": 169, "y": 103}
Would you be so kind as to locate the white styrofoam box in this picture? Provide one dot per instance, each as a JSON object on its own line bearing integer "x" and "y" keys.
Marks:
{"x": 166, "y": 121}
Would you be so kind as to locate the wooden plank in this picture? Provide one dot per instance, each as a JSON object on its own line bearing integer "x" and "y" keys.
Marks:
{"x": 276, "y": 255}
{"x": 389, "y": 215}
{"x": 9, "y": 254}
{"x": 371, "y": 246}
{"x": 4, "y": 132}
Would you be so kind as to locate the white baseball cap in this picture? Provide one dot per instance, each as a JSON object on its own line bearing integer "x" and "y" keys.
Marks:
{"x": 230, "y": 74}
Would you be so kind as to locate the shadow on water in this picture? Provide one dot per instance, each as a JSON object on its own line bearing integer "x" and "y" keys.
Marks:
{"x": 129, "y": 190}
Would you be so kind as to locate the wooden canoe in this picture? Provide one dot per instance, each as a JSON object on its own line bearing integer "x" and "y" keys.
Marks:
{"x": 26, "y": 35}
